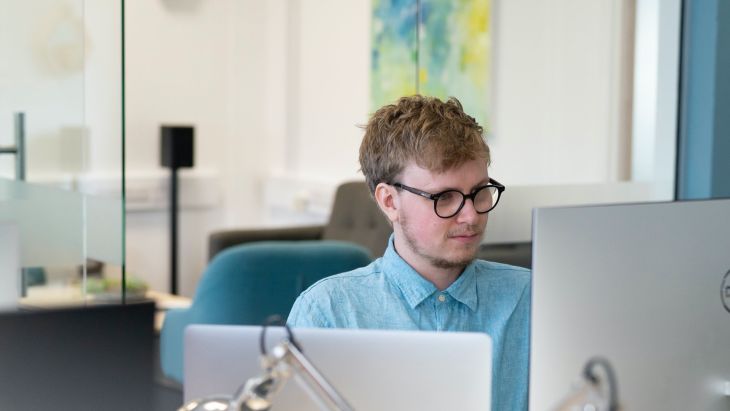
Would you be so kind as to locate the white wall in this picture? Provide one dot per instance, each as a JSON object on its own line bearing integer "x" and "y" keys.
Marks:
{"x": 333, "y": 87}
{"x": 277, "y": 88}
{"x": 221, "y": 66}
{"x": 177, "y": 72}
{"x": 558, "y": 85}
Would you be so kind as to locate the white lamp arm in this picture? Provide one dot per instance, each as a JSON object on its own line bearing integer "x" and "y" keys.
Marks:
{"x": 311, "y": 379}
{"x": 284, "y": 361}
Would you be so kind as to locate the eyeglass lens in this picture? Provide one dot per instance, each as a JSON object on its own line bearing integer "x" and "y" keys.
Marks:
{"x": 450, "y": 202}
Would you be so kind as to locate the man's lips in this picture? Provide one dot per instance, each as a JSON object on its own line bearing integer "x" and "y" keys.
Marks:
{"x": 465, "y": 236}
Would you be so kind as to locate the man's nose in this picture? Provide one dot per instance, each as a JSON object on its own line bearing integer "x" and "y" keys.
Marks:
{"x": 468, "y": 213}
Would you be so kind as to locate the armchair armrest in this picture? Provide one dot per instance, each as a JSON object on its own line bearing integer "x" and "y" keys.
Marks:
{"x": 220, "y": 240}
{"x": 171, "y": 342}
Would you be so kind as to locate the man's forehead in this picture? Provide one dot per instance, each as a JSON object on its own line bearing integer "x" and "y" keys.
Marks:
{"x": 436, "y": 168}
{"x": 476, "y": 169}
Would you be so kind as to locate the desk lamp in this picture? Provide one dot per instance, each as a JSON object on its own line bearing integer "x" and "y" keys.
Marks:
{"x": 593, "y": 395}
{"x": 257, "y": 394}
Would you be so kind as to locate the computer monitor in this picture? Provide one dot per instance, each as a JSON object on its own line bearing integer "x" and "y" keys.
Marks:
{"x": 371, "y": 369}
{"x": 78, "y": 359}
{"x": 642, "y": 285}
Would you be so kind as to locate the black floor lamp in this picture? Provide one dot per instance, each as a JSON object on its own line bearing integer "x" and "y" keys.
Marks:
{"x": 176, "y": 151}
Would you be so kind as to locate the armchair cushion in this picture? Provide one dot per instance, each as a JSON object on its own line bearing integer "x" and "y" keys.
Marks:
{"x": 247, "y": 283}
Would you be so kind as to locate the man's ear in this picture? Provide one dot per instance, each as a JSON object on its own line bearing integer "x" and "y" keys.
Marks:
{"x": 387, "y": 199}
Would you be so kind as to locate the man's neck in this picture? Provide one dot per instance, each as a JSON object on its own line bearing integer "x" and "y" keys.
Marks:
{"x": 440, "y": 277}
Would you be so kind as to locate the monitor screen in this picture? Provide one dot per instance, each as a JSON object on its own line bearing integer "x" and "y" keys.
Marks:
{"x": 641, "y": 285}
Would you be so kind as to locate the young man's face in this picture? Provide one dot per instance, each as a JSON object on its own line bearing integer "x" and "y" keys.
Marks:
{"x": 425, "y": 239}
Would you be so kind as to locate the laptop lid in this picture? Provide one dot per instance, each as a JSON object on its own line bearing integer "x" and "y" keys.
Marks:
{"x": 643, "y": 285}
{"x": 372, "y": 369}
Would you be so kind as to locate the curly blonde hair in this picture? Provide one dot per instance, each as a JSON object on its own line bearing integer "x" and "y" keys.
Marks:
{"x": 437, "y": 135}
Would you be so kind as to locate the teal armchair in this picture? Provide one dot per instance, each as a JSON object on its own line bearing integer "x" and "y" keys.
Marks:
{"x": 247, "y": 283}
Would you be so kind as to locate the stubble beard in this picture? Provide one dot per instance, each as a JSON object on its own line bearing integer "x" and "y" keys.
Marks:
{"x": 435, "y": 261}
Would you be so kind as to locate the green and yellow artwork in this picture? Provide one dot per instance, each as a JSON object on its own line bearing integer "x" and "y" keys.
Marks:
{"x": 432, "y": 47}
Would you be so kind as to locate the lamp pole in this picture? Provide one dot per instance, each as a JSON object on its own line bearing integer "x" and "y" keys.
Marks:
{"x": 176, "y": 151}
{"x": 173, "y": 230}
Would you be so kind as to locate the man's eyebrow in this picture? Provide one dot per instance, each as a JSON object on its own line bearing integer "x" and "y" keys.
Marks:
{"x": 482, "y": 183}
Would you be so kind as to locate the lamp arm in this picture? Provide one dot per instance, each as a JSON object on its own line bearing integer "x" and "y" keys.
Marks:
{"x": 589, "y": 374}
{"x": 599, "y": 394}
{"x": 318, "y": 386}
{"x": 257, "y": 394}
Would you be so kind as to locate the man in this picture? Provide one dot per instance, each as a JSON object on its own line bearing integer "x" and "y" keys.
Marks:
{"x": 425, "y": 162}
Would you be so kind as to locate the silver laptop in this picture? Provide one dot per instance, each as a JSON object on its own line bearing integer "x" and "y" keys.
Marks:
{"x": 645, "y": 286}
{"x": 373, "y": 370}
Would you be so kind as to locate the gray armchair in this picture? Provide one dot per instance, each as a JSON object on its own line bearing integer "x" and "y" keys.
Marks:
{"x": 355, "y": 218}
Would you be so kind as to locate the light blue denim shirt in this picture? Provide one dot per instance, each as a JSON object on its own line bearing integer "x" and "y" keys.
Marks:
{"x": 488, "y": 297}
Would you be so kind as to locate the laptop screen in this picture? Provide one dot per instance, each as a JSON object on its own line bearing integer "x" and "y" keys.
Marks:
{"x": 371, "y": 369}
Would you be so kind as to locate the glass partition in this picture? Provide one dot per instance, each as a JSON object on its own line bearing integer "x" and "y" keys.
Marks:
{"x": 61, "y": 203}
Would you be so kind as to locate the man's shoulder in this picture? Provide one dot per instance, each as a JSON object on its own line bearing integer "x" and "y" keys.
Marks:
{"x": 348, "y": 281}
{"x": 329, "y": 301}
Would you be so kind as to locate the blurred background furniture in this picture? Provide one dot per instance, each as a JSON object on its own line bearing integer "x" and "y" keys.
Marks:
{"x": 97, "y": 357}
{"x": 247, "y": 283}
{"x": 519, "y": 254}
{"x": 355, "y": 218}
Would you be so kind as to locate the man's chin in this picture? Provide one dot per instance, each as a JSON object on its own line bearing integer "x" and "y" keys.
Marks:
{"x": 449, "y": 264}
{"x": 466, "y": 251}
{"x": 456, "y": 261}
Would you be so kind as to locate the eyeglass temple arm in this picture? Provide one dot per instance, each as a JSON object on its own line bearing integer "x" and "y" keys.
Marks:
{"x": 496, "y": 183}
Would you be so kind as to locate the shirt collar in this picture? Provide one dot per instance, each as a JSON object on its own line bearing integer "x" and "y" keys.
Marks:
{"x": 464, "y": 289}
{"x": 415, "y": 288}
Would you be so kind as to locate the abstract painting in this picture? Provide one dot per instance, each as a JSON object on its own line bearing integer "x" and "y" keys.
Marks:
{"x": 432, "y": 47}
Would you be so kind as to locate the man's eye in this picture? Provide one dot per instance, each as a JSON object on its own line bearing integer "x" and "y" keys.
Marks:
{"x": 448, "y": 196}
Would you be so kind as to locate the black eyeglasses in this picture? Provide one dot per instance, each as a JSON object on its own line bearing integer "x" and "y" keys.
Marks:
{"x": 448, "y": 203}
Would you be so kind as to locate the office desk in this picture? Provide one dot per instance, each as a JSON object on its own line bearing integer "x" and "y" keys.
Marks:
{"x": 46, "y": 297}
{"x": 87, "y": 358}
{"x": 164, "y": 302}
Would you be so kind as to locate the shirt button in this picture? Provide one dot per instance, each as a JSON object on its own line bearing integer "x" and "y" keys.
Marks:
{"x": 442, "y": 297}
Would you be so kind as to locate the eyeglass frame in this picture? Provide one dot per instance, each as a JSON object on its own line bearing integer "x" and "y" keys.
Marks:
{"x": 434, "y": 197}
